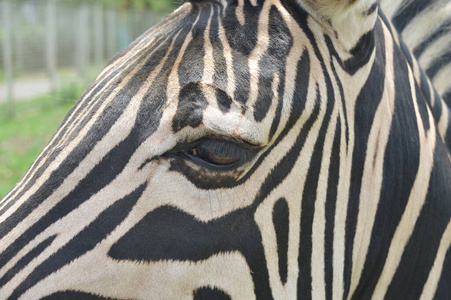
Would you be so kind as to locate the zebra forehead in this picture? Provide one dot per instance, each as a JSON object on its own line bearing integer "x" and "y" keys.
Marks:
{"x": 206, "y": 45}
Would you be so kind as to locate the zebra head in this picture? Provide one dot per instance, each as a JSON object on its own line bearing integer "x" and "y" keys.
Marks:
{"x": 248, "y": 149}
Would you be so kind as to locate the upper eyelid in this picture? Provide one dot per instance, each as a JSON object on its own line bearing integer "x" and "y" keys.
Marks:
{"x": 238, "y": 141}
{"x": 229, "y": 146}
{"x": 224, "y": 135}
{"x": 182, "y": 146}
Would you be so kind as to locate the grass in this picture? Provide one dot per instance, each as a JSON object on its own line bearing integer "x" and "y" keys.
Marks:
{"x": 23, "y": 137}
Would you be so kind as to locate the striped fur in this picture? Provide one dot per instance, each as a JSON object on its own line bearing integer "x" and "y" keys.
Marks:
{"x": 341, "y": 190}
{"x": 425, "y": 27}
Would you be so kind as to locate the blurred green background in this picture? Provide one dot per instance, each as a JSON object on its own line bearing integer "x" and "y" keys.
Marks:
{"x": 49, "y": 52}
{"x": 23, "y": 136}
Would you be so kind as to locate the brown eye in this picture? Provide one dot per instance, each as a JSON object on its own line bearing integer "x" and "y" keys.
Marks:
{"x": 217, "y": 158}
{"x": 218, "y": 153}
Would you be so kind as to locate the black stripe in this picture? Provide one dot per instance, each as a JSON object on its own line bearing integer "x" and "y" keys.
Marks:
{"x": 448, "y": 132}
{"x": 372, "y": 9}
{"x": 444, "y": 288}
{"x": 223, "y": 100}
{"x": 208, "y": 293}
{"x": 281, "y": 220}
{"x": 447, "y": 98}
{"x": 332, "y": 186}
{"x": 422, "y": 108}
{"x": 438, "y": 108}
{"x": 73, "y": 295}
{"x": 190, "y": 107}
{"x": 361, "y": 53}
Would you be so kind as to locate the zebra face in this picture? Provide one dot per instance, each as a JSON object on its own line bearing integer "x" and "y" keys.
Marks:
{"x": 239, "y": 149}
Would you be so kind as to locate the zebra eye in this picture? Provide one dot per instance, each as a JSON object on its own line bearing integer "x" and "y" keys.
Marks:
{"x": 216, "y": 153}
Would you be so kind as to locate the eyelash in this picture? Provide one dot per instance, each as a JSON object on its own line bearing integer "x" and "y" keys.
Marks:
{"x": 216, "y": 153}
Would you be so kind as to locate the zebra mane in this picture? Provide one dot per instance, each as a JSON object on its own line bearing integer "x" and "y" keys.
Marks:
{"x": 331, "y": 8}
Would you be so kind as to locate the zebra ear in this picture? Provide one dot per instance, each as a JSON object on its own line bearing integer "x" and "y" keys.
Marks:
{"x": 349, "y": 19}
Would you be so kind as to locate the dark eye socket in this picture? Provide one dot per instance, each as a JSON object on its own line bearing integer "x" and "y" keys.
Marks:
{"x": 217, "y": 153}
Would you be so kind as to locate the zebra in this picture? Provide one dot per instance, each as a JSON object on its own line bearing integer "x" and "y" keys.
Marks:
{"x": 430, "y": 41}
{"x": 243, "y": 149}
